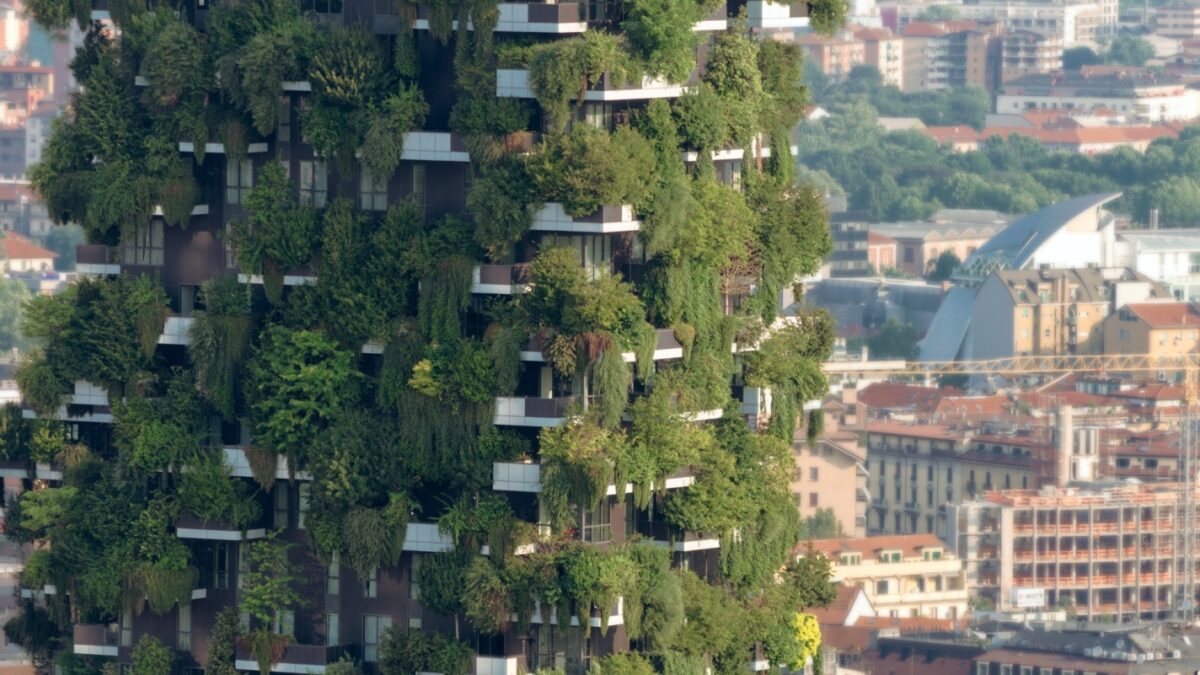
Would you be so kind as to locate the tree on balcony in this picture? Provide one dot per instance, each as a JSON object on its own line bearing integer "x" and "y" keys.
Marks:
{"x": 268, "y": 588}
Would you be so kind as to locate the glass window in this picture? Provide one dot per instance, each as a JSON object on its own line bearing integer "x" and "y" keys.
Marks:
{"x": 184, "y": 637}
{"x": 596, "y": 524}
{"x": 313, "y": 183}
{"x": 418, "y": 187}
{"x": 374, "y": 626}
{"x": 239, "y": 179}
{"x": 283, "y": 129}
{"x": 281, "y": 506}
{"x": 333, "y": 576}
{"x": 221, "y": 565}
{"x": 371, "y": 584}
{"x": 414, "y": 575}
{"x": 144, "y": 246}
{"x": 332, "y": 631}
{"x": 321, "y": 6}
{"x": 285, "y": 622}
{"x": 812, "y": 499}
{"x": 599, "y": 115}
{"x": 813, "y": 472}
{"x": 373, "y": 193}
{"x": 302, "y": 511}
{"x": 127, "y": 628}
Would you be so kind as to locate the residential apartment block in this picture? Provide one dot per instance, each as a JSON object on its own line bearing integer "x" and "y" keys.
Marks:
{"x": 1179, "y": 20}
{"x": 1164, "y": 329}
{"x": 1104, "y": 551}
{"x": 947, "y": 54}
{"x": 902, "y": 576}
{"x": 916, "y": 470}
{"x": 885, "y": 50}
{"x": 1044, "y": 312}
{"x": 961, "y": 231}
{"x": 825, "y": 472}
{"x": 835, "y": 55}
{"x": 1025, "y": 51}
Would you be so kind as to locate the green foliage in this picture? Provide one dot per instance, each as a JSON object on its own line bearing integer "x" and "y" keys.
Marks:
{"x": 269, "y": 581}
{"x": 623, "y": 664}
{"x": 654, "y": 605}
{"x": 405, "y": 651}
{"x": 503, "y": 201}
{"x": 174, "y": 64}
{"x": 944, "y": 266}
{"x": 827, "y": 16}
{"x": 220, "y": 341}
{"x": 383, "y": 143}
{"x": 296, "y": 384}
{"x": 1076, "y": 58}
{"x": 152, "y": 657}
{"x": 375, "y": 537}
{"x": 222, "y": 643}
{"x": 894, "y": 340}
{"x": 279, "y": 235}
{"x": 701, "y": 115}
{"x": 207, "y": 491}
{"x": 40, "y": 511}
{"x": 660, "y": 32}
{"x": 562, "y": 70}
{"x": 1129, "y": 50}
{"x": 442, "y": 578}
{"x": 587, "y": 168}
{"x": 578, "y": 463}
{"x": 822, "y": 525}
{"x": 485, "y": 597}
{"x": 40, "y": 386}
{"x": 36, "y": 572}
{"x": 13, "y": 296}
{"x": 613, "y": 381}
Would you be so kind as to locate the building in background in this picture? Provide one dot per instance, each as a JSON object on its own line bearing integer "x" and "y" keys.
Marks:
{"x": 825, "y": 470}
{"x": 1052, "y": 311}
{"x": 1105, "y": 551}
{"x": 835, "y": 55}
{"x": 947, "y": 54}
{"x": 885, "y": 50}
{"x": 1139, "y": 94}
{"x": 961, "y": 231}
{"x": 1160, "y": 329}
{"x": 1179, "y": 19}
{"x": 902, "y": 576}
{"x": 850, "y": 255}
{"x": 1026, "y": 51}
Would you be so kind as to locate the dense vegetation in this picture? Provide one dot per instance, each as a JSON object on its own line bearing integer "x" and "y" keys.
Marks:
{"x": 906, "y": 175}
{"x": 410, "y": 433}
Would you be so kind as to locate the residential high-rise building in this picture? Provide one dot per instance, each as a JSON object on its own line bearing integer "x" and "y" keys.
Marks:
{"x": 432, "y": 337}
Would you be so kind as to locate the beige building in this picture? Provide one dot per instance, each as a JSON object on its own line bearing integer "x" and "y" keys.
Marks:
{"x": 917, "y": 469}
{"x": 1110, "y": 553}
{"x": 885, "y": 50}
{"x": 1029, "y": 51}
{"x": 1167, "y": 328}
{"x": 824, "y": 473}
{"x": 1050, "y": 312}
{"x": 919, "y": 243}
{"x": 948, "y": 54}
{"x": 836, "y": 55}
{"x": 902, "y": 576}
{"x": 1179, "y": 19}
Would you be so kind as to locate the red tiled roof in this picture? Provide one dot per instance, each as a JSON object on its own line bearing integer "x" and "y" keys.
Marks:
{"x": 1075, "y": 399}
{"x": 839, "y": 610}
{"x": 910, "y": 545}
{"x": 879, "y": 238}
{"x": 923, "y": 29}
{"x": 935, "y": 432}
{"x": 976, "y": 405}
{"x": 17, "y": 247}
{"x": 895, "y": 395}
{"x": 1166, "y": 314}
{"x": 1064, "y": 136}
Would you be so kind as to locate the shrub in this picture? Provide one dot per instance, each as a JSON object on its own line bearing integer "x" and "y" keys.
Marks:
{"x": 587, "y": 168}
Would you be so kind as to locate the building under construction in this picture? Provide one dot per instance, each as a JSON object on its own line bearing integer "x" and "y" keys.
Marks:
{"x": 1111, "y": 551}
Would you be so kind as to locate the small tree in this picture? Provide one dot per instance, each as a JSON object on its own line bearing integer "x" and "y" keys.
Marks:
{"x": 268, "y": 588}
{"x": 944, "y": 266}
{"x": 894, "y": 340}
{"x": 152, "y": 657}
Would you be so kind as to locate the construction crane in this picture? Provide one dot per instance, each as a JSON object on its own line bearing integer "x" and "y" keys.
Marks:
{"x": 1157, "y": 365}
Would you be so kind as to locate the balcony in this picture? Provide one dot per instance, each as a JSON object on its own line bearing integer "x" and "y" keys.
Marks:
{"x": 516, "y": 411}
{"x": 96, "y": 640}
{"x": 499, "y": 279}
{"x": 188, "y": 526}
{"x": 666, "y": 347}
{"x": 606, "y": 220}
{"x": 297, "y": 277}
{"x": 434, "y": 146}
{"x": 729, "y": 154}
{"x": 615, "y": 618}
{"x": 177, "y": 331}
{"x": 239, "y": 466}
{"x": 765, "y": 15}
{"x": 554, "y": 19}
{"x": 426, "y": 538}
{"x": 96, "y": 260}
{"x": 297, "y": 658}
{"x": 514, "y": 83}
{"x": 497, "y": 665}
{"x": 527, "y": 477}
{"x": 217, "y": 148}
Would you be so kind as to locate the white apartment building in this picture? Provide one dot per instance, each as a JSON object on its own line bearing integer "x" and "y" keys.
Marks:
{"x": 914, "y": 575}
{"x": 1072, "y": 20}
{"x": 1171, "y": 257}
{"x": 1139, "y": 95}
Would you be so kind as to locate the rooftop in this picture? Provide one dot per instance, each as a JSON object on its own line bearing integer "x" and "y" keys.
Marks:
{"x": 1166, "y": 314}
{"x": 17, "y": 247}
{"x": 909, "y": 545}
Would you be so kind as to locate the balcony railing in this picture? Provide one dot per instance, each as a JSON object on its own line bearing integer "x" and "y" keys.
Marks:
{"x": 96, "y": 640}
{"x": 298, "y": 658}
